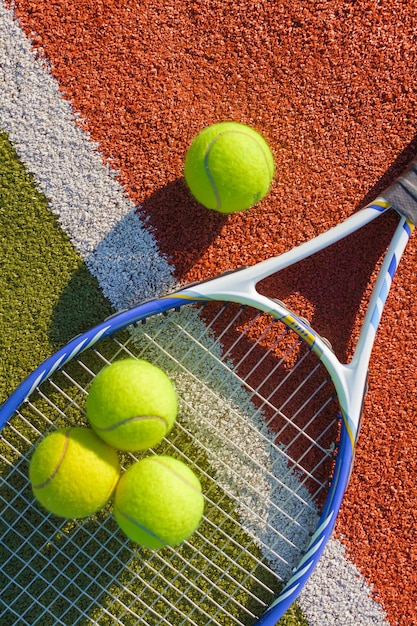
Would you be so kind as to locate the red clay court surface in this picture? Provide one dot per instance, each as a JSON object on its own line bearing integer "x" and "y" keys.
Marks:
{"x": 332, "y": 87}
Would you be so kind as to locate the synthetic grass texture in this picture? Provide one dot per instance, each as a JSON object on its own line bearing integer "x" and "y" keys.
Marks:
{"x": 47, "y": 296}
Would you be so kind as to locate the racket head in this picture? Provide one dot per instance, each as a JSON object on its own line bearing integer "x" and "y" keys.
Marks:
{"x": 273, "y": 461}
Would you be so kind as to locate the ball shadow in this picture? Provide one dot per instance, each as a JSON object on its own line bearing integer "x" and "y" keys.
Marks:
{"x": 176, "y": 218}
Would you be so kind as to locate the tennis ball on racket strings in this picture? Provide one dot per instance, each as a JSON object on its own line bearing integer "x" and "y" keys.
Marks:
{"x": 132, "y": 404}
{"x": 229, "y": 167}
{"x": 158, "y": 502}
{"x": 73, "y": 472}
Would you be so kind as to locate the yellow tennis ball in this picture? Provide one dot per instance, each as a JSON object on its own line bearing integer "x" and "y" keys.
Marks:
{"x": 73, "y": 472}
{"x": 132, "y": 404}
{"x": 229, "y": 167}
{"x": 158, "y": 502}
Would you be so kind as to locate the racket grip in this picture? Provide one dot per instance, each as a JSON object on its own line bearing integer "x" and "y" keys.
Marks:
{"x": 402, "y": 194}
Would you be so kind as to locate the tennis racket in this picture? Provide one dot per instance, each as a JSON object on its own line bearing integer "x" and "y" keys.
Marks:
{"x": 269, "y": 418}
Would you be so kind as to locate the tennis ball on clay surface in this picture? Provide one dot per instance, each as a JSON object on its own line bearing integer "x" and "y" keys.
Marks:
{"x": 229, "y": 167}
{"x": 73, "y": 472}
{"x": 132, "y": 404}
{"x": 158, "y": 502}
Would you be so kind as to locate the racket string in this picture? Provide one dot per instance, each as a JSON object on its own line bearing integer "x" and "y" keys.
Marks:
{"x": 324, "y": 450}
{"x": 237, "y": 450}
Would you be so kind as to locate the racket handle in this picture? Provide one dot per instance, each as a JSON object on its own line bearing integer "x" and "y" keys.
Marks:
{"x": 402, "y": 194}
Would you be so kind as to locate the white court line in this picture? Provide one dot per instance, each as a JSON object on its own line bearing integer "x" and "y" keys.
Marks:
{"x": 83, "y": 192}
{"x": 99, "y": 218}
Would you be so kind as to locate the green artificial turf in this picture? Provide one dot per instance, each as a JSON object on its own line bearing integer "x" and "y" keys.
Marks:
{"x": 47, "y": 294}
{"x": 46, "y": 297}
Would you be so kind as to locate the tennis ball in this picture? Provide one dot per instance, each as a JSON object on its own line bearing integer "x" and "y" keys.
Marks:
{"x": 73, "y": 472}
{"x": 132, "y": 404}
{"x": 158, "y": 502}
{"x": 229, "y": 167}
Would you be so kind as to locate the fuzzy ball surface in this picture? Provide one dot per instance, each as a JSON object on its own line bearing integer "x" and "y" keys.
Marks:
{"x": 158, "y": 502}
{"x": 229, "y": 167}
{"x": 132, "y": 404}
{"x": 73, "y": 472}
